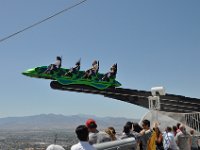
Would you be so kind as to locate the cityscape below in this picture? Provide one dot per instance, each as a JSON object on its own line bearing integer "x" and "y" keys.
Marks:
{"x": 39, "y": 131}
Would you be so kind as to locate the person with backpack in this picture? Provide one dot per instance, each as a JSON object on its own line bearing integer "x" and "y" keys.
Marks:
{"x": 147, "y": 136}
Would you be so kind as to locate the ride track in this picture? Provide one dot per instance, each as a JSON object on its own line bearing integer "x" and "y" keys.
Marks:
{"x": 168, "y": 103}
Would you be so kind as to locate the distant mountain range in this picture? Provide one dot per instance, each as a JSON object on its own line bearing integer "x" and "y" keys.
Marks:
{"x": 54, "y": 121}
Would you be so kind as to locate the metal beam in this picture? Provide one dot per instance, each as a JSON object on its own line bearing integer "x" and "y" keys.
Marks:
{"x": 169, "y": 102}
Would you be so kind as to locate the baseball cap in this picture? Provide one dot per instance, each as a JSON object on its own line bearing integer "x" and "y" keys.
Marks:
{"x": 90, "y": 123}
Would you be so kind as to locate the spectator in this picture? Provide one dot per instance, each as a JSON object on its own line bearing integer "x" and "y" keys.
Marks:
{"x": 103, "y": 137}
{"x": 183, "y": 139}
{"x": 159, "y": 139}
{"x": 92, "y": 128}
{"x": 174, "y": 128}
{"x": 82, "y": 134}
{"x": 147, "y": 136}
{"x": 96, "y": 136}
{"x": 111, "y": 132}
{"x": 127, "y": 132}
{"x": 169, "y": 140}
{"x": 130, "y": 124}
{"x": 194, "y": 141}
{"x": 136, "y": 130}
{"x": 178, "y": 126}
{"x": 55, "y": 147}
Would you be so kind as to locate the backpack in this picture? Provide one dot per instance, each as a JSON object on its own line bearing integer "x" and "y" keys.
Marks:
{"x": 151, "y": 144}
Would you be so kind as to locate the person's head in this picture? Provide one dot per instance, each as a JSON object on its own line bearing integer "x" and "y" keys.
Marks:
{"x": 94, "y": 63}
{"x": 78, "y": 63}
{"x": 82, "y": 133}
{"x": 182, "y": 128}
{"x": 58, "y": 58}
{"x": 168, "y": 129}
{"x": 113, "y": 68}
{"x": 146, "y": 124}
{"x": 111, "y": 132}
{"x": 136, "y": 127}
{"x": 55, "y": 147}
{"x": 157, "y": 130}
{"x": 178, "y": 125}
{"x": 174, "y": 128}
{"x": 127, "y": 129}
{"x": 91, "y": 124}
{"x": 130, "y": 124}
{"x": 191, "y": 131}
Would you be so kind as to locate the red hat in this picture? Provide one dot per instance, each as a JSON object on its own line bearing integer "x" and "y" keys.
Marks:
{"x": 90, "y": 123}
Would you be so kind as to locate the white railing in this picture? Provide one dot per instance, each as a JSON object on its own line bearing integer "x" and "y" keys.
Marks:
{"x": 193, "y": 120}
{"x": 125, "y": 144}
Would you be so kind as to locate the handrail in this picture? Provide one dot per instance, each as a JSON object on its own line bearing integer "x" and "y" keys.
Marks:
{"x": 124, "y": 144}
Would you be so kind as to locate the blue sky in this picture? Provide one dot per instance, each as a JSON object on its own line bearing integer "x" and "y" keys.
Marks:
{"x": 155, "y": 43}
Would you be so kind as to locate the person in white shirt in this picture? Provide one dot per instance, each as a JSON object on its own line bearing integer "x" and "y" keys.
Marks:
{"x": 169, "y": 140}
{"x": 82, "y": 134}
{"x": 55, "y": 147}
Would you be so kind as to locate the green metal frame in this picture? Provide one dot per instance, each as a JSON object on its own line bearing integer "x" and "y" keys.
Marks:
{"x": 76, "y": 79}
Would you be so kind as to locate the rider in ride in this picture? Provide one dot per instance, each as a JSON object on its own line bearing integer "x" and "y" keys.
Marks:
{"x": 92, "y": 71}
{"x": 74, "y": 69}
{"x": 112, "y": 73}
{"x": 54, "y": 66}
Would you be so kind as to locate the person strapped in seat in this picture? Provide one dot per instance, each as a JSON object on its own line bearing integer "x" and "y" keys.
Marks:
{"x": 74, "y": 69}
{"x": 54, "y": 66}
{"x": 92, "y": 71}
{"x": 111, "y": 74}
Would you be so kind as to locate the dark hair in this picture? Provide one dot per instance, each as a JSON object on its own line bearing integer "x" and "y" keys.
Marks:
{"x": 82, "y": 133}
{"x": 174, "y": 128}
{"x": 178, "y": 125}
{"x": 158, "y": 132}
{"x": 168, "y": 129}
{"x": 126, "y": 129}
{"x": 136, "y": 127}
{"x": 192, "y": 132}
{"x": 58, "y": 58}
{"x": 146, "y": 122}
{"x": 130, "y": 124}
